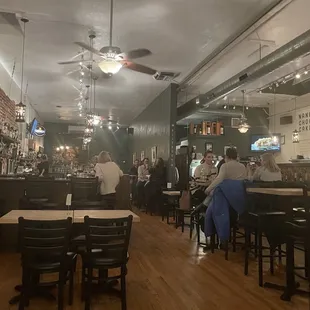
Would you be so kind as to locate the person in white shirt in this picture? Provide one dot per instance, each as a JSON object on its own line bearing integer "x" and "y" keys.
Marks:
{"x": 269, "y": 171}
{"x": 206, "y": 171}
{"x": 143, "y": 177}
{"x": 109, "y": 175}
{"x": 232, "y": 170}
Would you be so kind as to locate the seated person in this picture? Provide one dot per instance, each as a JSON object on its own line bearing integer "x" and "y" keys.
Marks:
{"x": 206, "y": 171}
{"x": 232, "y": 170}
{"x": 267, "y": 172}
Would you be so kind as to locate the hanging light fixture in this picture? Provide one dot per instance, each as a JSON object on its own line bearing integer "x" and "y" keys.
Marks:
{"x": 20, "y": 109}
{"x": 110, "y": 65}
{"x": 243, "y": 126}
{"x": 295, "y": 134}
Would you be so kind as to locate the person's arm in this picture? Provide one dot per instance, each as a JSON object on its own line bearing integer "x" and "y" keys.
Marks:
{"x": 197, "y": 172}
{"x": 257, "y": 175}
{"x": 140, "y": 173}
{"x": 98, "y": 173}
{"x": 220, "y": 178}
{"x": 120, "y": 172}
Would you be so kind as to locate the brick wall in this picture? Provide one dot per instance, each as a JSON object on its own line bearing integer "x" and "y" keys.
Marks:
{"x": 7, "y": 110}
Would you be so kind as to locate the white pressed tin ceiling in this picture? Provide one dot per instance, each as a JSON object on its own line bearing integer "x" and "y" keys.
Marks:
{"x": 180, "y": 33}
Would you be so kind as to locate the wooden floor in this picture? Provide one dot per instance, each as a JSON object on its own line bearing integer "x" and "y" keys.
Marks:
{"x": 166, "y": 271}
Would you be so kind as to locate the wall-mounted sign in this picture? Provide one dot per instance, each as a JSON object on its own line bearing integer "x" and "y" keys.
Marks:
{"x": 39, "y": 131}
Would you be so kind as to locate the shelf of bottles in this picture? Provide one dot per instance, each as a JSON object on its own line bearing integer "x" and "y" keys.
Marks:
{"x": 207, "y": 129}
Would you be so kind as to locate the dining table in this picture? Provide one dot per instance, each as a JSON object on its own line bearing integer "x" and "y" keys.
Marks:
{"x": 286, "y": 196}
{"x": 11, "y": 219}
{"x": 76, "y": 215}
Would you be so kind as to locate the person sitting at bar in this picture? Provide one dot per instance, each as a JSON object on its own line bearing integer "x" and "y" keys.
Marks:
{"x": 232, "y": 170}
{"x": 143, "y": 176}
{"x": 133, "y": 172}
{"x": 158, "y": 174}
{"x": 206, "y": 171}
{"x": 109, "y": 174}
{"x": 269, "y": 171}
{"x": 43, "y": 166}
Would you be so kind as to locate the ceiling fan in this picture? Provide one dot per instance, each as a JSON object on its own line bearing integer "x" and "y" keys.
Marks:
{"x": 112, "y": 59}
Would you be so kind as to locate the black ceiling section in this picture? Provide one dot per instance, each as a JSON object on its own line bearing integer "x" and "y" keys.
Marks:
{"x": 289, "y": 88}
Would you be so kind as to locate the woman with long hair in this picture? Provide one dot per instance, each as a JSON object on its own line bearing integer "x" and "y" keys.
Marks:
{"x": 269, "y": 171}
{"x": 109, "y": 175}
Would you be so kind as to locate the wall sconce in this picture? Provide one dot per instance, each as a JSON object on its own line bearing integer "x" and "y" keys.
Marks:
{"x": 295, "y": 136}
{"x": 20, "y": 112}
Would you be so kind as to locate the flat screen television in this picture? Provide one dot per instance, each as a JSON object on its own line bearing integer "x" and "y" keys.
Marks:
{"x": 33, "y": 126}
{"x": 266, "y": 143}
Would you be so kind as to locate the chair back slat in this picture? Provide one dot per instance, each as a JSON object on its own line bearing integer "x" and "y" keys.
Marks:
{"x": 84, "y": 189}
{"x": 110, "y": 235}
{"x": 44, "y": 241}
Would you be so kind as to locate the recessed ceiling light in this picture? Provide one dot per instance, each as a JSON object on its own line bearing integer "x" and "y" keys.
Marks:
{"x": 297, "y": 76}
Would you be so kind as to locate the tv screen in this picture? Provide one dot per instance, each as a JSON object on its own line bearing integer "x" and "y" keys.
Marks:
{"x": 266, "y": 143}
{"x": 33, "y": 126}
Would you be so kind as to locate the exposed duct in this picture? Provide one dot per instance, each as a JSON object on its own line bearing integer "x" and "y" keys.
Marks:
{"x": 209, "y": 114}
{"x": 285, "y": 54}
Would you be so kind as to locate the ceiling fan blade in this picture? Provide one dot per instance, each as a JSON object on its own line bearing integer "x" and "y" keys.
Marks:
{"x": 72, "y": 62}
{"x": 138, "y": 53}
{"x": 139, "y": 68}
{"x": 89, "y": 48}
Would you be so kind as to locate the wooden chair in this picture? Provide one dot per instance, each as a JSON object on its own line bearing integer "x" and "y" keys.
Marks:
{"x": 107, "y": 242}
{"x": 44, "y": 247}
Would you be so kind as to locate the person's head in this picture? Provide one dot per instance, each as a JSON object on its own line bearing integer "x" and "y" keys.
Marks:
{"x": 145, "y": 161}
{"x": 104, "y": 157}
{"x": 44, "y": 157}
{"x": 231, "y": 154}
{"x": 269, "y": 162}
{"x": 208, "y": 157}
{"x": 136, "y": 163}
{"x": 159, "y": 163}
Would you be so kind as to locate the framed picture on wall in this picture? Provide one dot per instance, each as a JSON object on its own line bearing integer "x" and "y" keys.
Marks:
{"x": 154, "y": 153}
{"x": 209, "y": 146}
{"x": 134, "y": 157}
{"x": 142, "y": 155}
{"x": 282, "y": 139}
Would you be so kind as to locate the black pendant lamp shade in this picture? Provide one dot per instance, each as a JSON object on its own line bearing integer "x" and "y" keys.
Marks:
{"x": 20, "y": 109}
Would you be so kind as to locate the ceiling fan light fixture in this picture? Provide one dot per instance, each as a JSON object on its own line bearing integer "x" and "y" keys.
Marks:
{"x": 244, "y": 127}
{"x": 110, "y": 66}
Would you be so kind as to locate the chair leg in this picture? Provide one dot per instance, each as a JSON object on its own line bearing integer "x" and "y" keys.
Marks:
{"x": 247, "y": 250}
{"x": 234, "y": 238}
{"x": 83, "y": 286}
{"x": 61, "y": 285}
{"x": 123, "y": 288}
{"x": 198, "y": 230}
{"x": 88, "y": 289}
{"x": 226, "y": 249}
{"x": 255, "y": 243}
{"x": 260, "y": 258}
{"x": 280, "y": 253}
{"x": 271, "y": 259}
{"x": 191, "y": 227}
{"x": 24, "y": 298}
{"x": 212, "y": 243}
{"x": 71, "y": 282}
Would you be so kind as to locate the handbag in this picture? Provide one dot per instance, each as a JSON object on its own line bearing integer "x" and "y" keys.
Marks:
{"x": 185, "y": 200}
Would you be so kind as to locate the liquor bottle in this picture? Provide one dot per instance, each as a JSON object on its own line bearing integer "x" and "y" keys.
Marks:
{"x": 208, "y": 128}
{"x": 222, "y": 129}
{"x": 195, "y": 129}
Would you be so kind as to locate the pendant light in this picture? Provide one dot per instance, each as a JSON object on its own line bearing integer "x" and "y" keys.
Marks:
{"x": 20, "y": 109}
{"x": 295, "y": 134}
{"x": 243, "y": 126}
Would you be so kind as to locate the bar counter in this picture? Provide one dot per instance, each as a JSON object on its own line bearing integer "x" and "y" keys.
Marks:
{"x": 12, "y": 189}
{"x": 296, "y": 171}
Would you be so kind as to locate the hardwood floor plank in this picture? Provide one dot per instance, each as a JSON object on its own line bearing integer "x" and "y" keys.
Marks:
{"x": 167, "y": 271}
